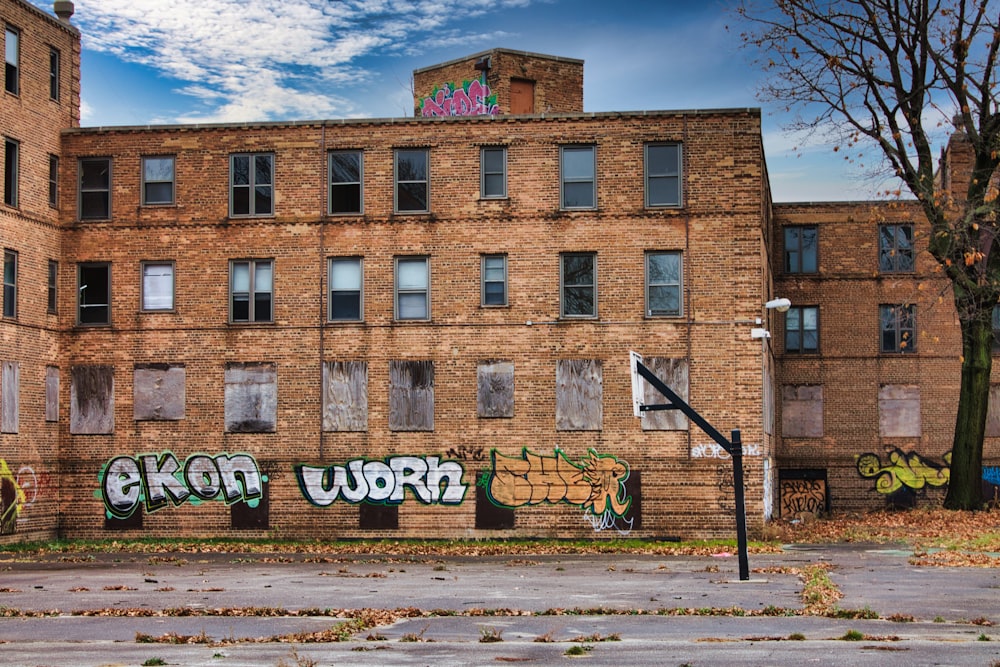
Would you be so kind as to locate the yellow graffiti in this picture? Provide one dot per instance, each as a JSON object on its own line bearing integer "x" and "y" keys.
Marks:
{"x": 11, "y": 499}
{"x": 909, "y": 470}
{"x": 596, "y": 484}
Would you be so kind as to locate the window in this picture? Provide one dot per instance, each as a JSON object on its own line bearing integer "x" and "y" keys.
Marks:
{"x": 251, "y": 185}
{"x": 53, "y": 180}
{"x": 94, "y": 301}
{"x": 53, "y": 279}
{"x": 9, "y": 283}
{"x": 251, "y": 290}
{"x": 898, "y": 328}
{"x": 413, "y": 288}
{"x": 800, "y": 249}
{"x": 577, "y": 169}
{"x": 12, "y": 49}
{"x": 663, "y": 175}
{"x": 412, "y": 183}
{"x": 346, "y": 278}
{"x": 54, "y": 69}
{"x": 10, "y": 169}
{"x": 895, "y": 248}
{"x": 494, "y": 275}
{"x": 411, "y": 395}
{"x": 493, "y": 172}
{"x": 157, "y": 180}
{"x": 157, "y": 286}
{"x": 802, "y": 329}
{"x": 346, "y": 179}
{"x": 578, "y": 280}
{"x": 95, "y": 189}
{"x": 663, "y": 284}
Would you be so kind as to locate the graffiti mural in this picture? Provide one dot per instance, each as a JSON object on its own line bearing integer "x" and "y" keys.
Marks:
{"x": 383, "y": 482}
{"x": 716, "y": 451}
{"x": 904, "y": 471}
{"x": 12, "y": 499}
{"x": 596, "y": 484}
{"x": 473, "y": 98}
{"x": 160, "y": 481}
{"x": 802, "y": 495}
{"x": 467, "y": 453}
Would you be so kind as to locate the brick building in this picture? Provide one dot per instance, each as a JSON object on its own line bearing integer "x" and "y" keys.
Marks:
{"x": 420, "y": 326}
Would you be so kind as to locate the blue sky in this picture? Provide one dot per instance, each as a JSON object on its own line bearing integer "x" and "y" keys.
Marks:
{"x": 205, "y": 61}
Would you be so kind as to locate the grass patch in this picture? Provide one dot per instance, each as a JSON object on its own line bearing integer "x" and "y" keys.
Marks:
{"x": 490, "y": 635}
{"x": 578, "y": 650}
{"x": 154, "y": 661}
{"x": 853, "y": 636}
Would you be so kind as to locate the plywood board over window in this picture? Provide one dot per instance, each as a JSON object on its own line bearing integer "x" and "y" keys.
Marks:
{"x": 579, "y": 395}
{"x": 802, "y": 411}
{"x": 51, "y": 393}
{"x": 674, "y": 374}
{"x": 899, "y": 411}
{"x": 9, "y": 396}
{"x": 495, "y": 389}
{"x": 411, "y": 395}
{"x": 251, "y": 397}
{"x": 92, "y": 400}
{"x": 345, "y": 396}
{"x": 158, "y": 392}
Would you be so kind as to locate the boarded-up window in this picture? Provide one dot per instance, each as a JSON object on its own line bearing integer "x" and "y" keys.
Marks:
{"x": 345, "y": 396}
{"x": 579, "y": 394}
{"x": 411, "y": 395}
{"x": 158, "y": 392}
{"x": 802, "y": 411}
{"x": 51, "y": 393}
{"x": 802, "y": 491}
{"x": 899, "y": 411}
{"x": 10, "y": 383}
{"x": 251, "y": 397}
{"x": 495, "y": 389}
{"x": 993, "y": 414}
{"x": 674, "y": 374}
{"x": 92, "y": 400}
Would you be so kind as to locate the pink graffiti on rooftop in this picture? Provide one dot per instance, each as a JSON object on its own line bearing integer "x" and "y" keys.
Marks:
{"x": 474, "y": 98}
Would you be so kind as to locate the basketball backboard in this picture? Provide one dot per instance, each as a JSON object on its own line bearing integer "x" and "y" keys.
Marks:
{"x": 634, "y": 358}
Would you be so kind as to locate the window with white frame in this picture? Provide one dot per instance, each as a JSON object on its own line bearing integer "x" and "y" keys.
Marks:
{"x": 493, "y": 172}
{"x": 94, "y": 293}
{"x": 412, "y": 171}
{"x": 578, "y": 284}
{"x": 95, "y": 188}
{"x": 899, "y": 328}
{"x": 12, "y": 52}
{"x": 158, "y": 180}
{"x": 11, "y": 167}
{"x": 494, "y": 280}
{"x": 251, "y": 290}
{"x": 663, "y": 284}
{"x": 157, "y": 286}
{"x": 346, "y": 279}
{"x": 346, "y": 182}
{"x": 251, "y": 183}
{"x": 663, "y": 174}
{"x": 413, "y": 288}
{"x": 9, "y": 283}
{"x": 578, "y": 177}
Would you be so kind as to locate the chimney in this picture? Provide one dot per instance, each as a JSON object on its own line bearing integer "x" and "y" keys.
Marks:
{"x": 64, "y": 10}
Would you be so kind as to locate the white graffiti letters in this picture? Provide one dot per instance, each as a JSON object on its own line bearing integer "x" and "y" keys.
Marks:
{"x": 715, "y": 451}
{"x": 428, "y": 478}
{"x": 158, "y": 480}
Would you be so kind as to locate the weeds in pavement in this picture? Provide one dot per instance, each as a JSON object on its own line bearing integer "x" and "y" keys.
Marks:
{"x": 490, "y": 635}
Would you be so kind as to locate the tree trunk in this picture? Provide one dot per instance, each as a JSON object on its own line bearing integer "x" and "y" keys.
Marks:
{"x": 965, "y": 487}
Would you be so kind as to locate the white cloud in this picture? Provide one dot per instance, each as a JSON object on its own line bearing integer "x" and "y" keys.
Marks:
{"x": 247, "y": 60}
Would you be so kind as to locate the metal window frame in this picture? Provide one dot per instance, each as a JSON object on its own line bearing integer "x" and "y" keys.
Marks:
{"x": 252, "y": 185}
{"x": 80, "y": 267}
{"x": 142, "y": 285}
{"x": 52, "y": 288}
{"x": 483, "y": 282}
{"x": 894, "y": 268}
{"x": 330, "y": 289}
{"x": 898, "y": 311}
{"x": 396, "y": 182}
{"x": 11, "y": 152}
{"x": 798, "y": 229}
{"x": 55, "y": 73}
{"x": 53, "y": 180}
{"x": 252, "y": 292}
{"x": 801, "y": 330}
{"x": 562, "y": 286}
{"x": 172, "y": 181}
{"x": 107, "y": 189}
{"x": 10, "y": 259}
{"x": 11, "y": 30}
{"x": 679, "y": 174}
{"x": 680, "y": 283}
{"x": 563, "y": 180}
{"x": 397, "y": 291}
{"x": 483, "y": 173}
{"x": 360, "y": 182}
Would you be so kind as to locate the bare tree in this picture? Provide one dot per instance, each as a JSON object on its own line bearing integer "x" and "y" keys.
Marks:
{"x": 892, "y": 73}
